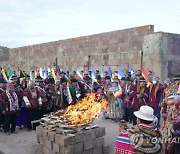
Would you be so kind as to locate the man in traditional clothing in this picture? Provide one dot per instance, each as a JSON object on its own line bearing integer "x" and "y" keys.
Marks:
{"x": 139, "y": 140}
{"x": 138, "y": 96}
{"x": 40, "y": 87}
{"x": 128, "y": 110}
{"x": 11, "y": 106}
{"x": 74, "y": 90}
{"x": 156, "y": 96}
{"x": 50, "y": 94}
{"x": 61, "y": 94}
{"x": 33, "y": 101}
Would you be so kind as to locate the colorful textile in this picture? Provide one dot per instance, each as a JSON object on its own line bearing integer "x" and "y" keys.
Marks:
{"x": 123, "y": 144}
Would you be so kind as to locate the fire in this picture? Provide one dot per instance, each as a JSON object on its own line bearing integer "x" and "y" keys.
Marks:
{"x": 84, "y": 111}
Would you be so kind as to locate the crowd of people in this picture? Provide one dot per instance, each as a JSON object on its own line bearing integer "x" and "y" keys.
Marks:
{"x": 130, "y": 100}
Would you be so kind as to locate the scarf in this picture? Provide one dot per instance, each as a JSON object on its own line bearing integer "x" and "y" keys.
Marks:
{"x": 13, "y": 101}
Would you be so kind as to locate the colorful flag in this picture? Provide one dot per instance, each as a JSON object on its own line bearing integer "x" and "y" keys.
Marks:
{"x": 53, "y": 73}
{"x": 69, "y": 96}
{"x": 4, "y": 74}
{"x": 10, "y": 73}
{"x": 22, "y": 75}
{"x": 109, "y": 72}
{"x": 1, "y": 76}
{"x": 79, "y": 74}
{"x": 70, "y": 70}
{"x": 35, "y": 72}
{"x": 45, "y": 73}
{"x": 41, "y": 73}
{"x": 86, "y": 71}
{"x": 93, "y": 75}
{"x": 120, "y": 73}
{"x": 102, "y": 71}
{"x": 49, "y": 71}
{"x": 32, "y": 75}
{"x": 146, "y": 76}
{"x": 133, "y": 74}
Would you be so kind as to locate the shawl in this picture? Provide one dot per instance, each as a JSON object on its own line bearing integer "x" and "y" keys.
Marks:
{"x": 13, "y": 100}
{"x": 141, "y": 138}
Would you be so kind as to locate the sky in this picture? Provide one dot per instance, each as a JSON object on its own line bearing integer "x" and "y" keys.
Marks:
{"x": 27, "y": 22}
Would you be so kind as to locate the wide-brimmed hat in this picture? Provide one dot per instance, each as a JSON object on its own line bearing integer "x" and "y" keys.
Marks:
{"x": 142, "y": 79}
{"x": 38, "y": 79}
{"x": 145, "y": 113}
{"x": 115, "y": 81}
{"x": 13, "y": 77}
{"x": 51, "y": 80}
{"x": 63, "y": 80}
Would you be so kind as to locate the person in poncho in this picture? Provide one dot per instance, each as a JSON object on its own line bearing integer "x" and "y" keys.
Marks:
{"x": 11, "y": 106}
{"x": 138, "y": 140}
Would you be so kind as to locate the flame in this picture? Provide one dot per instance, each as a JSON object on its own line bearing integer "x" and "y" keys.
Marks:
{"x": 84, "y": 111}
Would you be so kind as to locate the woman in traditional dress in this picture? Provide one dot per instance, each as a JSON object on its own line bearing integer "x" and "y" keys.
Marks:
{"x": 114, "y": 111}
{"x": 33, "y": 101}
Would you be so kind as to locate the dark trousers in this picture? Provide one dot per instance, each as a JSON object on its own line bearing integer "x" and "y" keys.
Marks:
{"x": 10, "y": 122}
{"x": 33, "y": 114}
{"x": 128, "y": 114}
{"x": 1, "y": 119}
{"x": 134, "y": 117}
{"x": 157, "y": 113}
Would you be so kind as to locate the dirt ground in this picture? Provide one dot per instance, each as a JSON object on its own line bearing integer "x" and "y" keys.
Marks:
{"x": 24, "y": 142}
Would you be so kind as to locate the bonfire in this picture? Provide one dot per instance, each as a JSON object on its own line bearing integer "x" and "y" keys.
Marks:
{"x": 83, "y": 112}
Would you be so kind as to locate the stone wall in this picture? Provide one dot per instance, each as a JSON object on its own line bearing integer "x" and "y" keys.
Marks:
{"x": 161, "y": 54}
{"x": 115, "y": 48}
{"x": 4, "y": 54}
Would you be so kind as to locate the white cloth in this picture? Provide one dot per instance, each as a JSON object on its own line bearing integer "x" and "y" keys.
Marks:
{"x": 13, "y": 99}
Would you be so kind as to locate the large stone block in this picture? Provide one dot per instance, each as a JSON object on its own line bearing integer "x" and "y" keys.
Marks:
{"x": 79, "y": 137}
{"x": 51, "y": 136}
{"x": 78, "y": 148}
{"x": 56, "y": 147}
{"x": 39, "y": 130}
{"x": 67, "y": 150}
{"x": 88, "y": 135}
{"x": 88, "y": 144}
{"x": 98, "y": 142}
{"x": 49, "y": 144}
{"x": 97, "y": 150}
{"x": 100, "y": 131}
{"x": 45, "y": 133}
{"x": 64, "y": 140}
